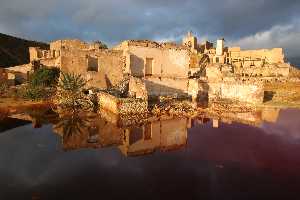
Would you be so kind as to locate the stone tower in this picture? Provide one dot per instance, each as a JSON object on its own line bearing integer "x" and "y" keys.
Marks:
{"x": 220, "y": 47}
{"x": 191, "y": 41}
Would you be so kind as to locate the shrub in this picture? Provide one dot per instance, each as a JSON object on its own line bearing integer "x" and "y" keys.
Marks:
{"x": 44, "y": 77}
{"x": 70, "y": 91}
{"x": 34, "y": 93}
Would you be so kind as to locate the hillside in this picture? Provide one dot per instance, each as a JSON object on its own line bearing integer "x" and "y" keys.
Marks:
{"x": 14, "y": 51}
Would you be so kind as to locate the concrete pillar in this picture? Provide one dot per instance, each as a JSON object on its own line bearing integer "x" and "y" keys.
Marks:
{"x": 220, "y": 47}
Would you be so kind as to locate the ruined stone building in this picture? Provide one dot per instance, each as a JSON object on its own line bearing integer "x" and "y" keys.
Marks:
{"x": 189, "y": 69}
{"x": 102, "y": 68}
{"x": 261, "y": 62}
{"x": 165, "y": 67}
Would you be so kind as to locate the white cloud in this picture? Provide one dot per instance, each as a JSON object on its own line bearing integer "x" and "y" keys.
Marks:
{"x": 285, "y": 36}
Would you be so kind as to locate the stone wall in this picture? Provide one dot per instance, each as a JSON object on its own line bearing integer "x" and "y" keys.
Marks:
{"x": 137, "y": 88}
{"x": 167, "y": 61}
{"x": 236, "y": 91}
{"x": 268, "y": 70}
{"x": 51, "y": 62}
{"x": 271, "y": 56}
{"x": 108, "y": 102}
{"x": 102, "y": 68}
{"x": 167, "y": 87}
{"x": 68, "y": 44}
{"x": 122, "y": 106}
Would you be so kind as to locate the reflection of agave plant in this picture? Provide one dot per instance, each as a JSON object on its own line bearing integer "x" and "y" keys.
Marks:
{"x": 73, "y": 124}
{"x": 70, "y": 91}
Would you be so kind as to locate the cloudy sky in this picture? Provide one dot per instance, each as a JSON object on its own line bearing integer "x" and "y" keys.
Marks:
{"x": 250, "y": 24}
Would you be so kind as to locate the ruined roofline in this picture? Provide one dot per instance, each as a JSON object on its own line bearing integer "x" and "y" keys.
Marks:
{"x": 78, "y": 44}
{"x": 152, "y": 44}
{"x": 108, "y": 51}
{"x": 263, "y": 49}
{"x": 68, "y": 39}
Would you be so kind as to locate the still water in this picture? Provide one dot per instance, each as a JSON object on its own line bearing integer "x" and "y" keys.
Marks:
{"x": 247, "y": 156}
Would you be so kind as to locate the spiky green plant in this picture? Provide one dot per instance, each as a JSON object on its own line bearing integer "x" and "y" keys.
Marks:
{"x": 70, "y": 91}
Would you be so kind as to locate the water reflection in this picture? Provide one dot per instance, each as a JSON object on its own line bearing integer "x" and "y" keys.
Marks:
{"x": 254, "y": 153}
{"x": 133, "y": 136}
{"x": 81, "y": 131}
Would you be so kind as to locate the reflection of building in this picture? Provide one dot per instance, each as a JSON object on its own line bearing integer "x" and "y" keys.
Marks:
{"x": 270, "y": 114}
{"x": 83, "y": 132}
{"x": 161, "y": 135}
{"x": 252, "y": 116}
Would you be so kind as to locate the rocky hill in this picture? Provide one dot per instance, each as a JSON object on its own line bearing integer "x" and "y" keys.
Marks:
{"x": 14, "y": 51}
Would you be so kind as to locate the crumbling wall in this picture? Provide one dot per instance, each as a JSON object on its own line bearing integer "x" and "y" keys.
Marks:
{"x": 35, "y": 53}
{"x": 137, "y": 88}
{"x": 51, "y": 62}
{"x": 122, "y": 106}
{"x": 271, "y": 56}
{"x": 167, "y": 87}
{"x": 214, "y": 73}
{"x": 68, "y": 44}
{"x": 19, "y": 73}
{"x": 168, "y": 60}
{"x": 268, "y": 70}
{"x": 236, "y": 91}
{"x": 107, "y": 66}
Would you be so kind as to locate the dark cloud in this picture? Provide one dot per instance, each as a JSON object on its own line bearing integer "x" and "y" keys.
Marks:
{"x": 115, "y": 20}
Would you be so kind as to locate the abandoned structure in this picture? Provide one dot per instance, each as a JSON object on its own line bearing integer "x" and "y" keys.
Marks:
{"x": 164, "y": 69}
{"x": 102, "y": 68}
{"x": 261, "y": 62}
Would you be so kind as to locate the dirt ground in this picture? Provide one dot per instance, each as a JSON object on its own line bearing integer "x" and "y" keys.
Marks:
{"x": 12, "y": 105}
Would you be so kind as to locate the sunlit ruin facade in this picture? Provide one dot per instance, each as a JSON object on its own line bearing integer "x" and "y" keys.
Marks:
{"x": 189, "y": 70}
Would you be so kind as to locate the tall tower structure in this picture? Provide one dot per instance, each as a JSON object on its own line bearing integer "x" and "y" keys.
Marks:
{"x": 191, "y": 41}
{"x": 220, "y": 47}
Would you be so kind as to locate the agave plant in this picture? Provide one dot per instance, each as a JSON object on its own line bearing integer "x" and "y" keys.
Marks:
{"x": 70, "y": 91}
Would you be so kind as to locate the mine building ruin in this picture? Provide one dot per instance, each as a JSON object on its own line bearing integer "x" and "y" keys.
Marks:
{"x": 189, "y": 69}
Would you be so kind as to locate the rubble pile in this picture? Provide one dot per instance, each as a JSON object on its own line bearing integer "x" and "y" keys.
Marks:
{"x": 173, "y": 107}
{"x": 121, "y": 89}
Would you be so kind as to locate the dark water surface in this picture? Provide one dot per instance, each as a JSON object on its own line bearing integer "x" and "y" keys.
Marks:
{"x": 166, "y": 159}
